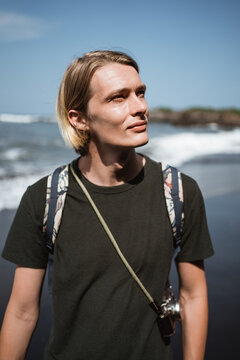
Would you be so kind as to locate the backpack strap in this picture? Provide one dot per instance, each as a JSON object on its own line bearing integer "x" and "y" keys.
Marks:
{"x": 57, "y": 186}
{"x": 173, "y": 191}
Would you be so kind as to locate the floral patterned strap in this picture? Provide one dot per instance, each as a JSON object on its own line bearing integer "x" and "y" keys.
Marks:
{"x": 57, "y": 186}
{"x": 173, "y": 191}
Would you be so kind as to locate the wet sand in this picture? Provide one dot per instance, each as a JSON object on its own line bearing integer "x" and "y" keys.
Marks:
{"x": 222, "y": 272}
{"x": 222, "y": 275}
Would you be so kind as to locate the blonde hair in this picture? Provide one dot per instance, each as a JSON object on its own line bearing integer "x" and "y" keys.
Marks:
{"x": 74, "y": 92}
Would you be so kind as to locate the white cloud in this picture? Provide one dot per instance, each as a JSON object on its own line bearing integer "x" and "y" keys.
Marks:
{"x": 15, "y": 27}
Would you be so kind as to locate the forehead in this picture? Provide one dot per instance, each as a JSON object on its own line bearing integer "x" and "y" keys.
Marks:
{"x": 114, "y": 76}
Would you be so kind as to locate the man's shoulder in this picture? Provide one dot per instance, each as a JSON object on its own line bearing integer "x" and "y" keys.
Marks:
{"x": 38, "y": 187}
{"x": 41, "y": 184}
{"x": 190, "y": 185}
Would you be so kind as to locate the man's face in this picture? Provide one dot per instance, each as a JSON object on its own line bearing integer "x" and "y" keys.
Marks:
{"x": 117, "y": 112}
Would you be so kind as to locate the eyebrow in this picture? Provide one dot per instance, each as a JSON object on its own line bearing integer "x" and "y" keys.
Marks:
{"x": 122, "y": 90}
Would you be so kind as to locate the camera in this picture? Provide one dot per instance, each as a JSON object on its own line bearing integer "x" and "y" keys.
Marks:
{"x": 168, "y": 312}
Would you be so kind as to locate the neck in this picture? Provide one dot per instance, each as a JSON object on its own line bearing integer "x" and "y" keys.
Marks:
{"x": 111, "y": 168}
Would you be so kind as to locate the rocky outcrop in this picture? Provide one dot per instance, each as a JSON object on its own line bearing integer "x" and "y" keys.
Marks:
{"x": 224, "y": 118}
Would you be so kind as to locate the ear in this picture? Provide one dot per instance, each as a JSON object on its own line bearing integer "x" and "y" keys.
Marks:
{"x": 77, "y": 120}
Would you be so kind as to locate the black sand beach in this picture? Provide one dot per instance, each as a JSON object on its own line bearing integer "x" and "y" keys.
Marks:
{"x": 223, "y": 279}
{"x": 222, "y": 205}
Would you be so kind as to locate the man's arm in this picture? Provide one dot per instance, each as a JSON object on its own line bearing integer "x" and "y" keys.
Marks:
{"x": 193, "y": 298}
{"x": 21, "y": 314}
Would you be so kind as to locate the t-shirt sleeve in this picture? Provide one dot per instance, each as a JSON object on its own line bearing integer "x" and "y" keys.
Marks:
{"x": 25, "y": 244}
{"x": 196, "y": 242}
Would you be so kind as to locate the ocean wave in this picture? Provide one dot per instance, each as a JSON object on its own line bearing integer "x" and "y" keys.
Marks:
{"x": 14, "y": 188}
{"x": 179, "y": 148}
{"x": 26, "y": 119}
{"x": 13, "y": 154}
{"x": 175, "y": 149}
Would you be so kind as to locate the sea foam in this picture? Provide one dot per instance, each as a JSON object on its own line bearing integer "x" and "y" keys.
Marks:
{"x": 12, "y": 189}
{"x": 179, "y": 148}
{"x": 26, "y": 119}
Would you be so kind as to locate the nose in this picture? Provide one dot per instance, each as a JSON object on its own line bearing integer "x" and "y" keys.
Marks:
{"x": 138, "y": 105}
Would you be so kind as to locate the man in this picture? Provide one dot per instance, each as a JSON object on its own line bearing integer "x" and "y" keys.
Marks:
{"x": 98, "y": 310}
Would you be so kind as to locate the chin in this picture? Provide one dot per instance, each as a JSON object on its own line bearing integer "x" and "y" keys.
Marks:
{"x": 141, "y": 142}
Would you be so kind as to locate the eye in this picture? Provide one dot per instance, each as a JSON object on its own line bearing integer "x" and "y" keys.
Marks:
{"x": 118, "y": 98}
{"x": 141, "y": 93}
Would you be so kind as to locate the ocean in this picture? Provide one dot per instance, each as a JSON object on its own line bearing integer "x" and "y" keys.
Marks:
{"x": 31, "y": 147}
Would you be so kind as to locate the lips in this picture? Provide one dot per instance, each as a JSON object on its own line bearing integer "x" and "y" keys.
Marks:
{"x": 138, "y": 125}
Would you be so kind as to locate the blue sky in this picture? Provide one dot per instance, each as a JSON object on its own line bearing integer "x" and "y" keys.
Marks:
{"x": 188, "y": 51}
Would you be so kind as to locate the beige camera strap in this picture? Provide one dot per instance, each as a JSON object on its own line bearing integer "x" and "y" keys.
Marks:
{"x": 113, "y": 241}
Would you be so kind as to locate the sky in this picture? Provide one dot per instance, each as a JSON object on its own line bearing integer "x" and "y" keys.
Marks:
{"x": 188, "y": 51}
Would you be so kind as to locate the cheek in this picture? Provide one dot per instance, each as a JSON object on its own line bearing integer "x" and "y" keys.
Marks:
{"x": 107, "y": 118}
{"x": 108, "y": 114}
{"x": 119, "y": 111}
{"x": 115, "y": 116}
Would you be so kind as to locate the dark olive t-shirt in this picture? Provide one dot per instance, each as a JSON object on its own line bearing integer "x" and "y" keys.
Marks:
{"x": 99, "y": 312}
